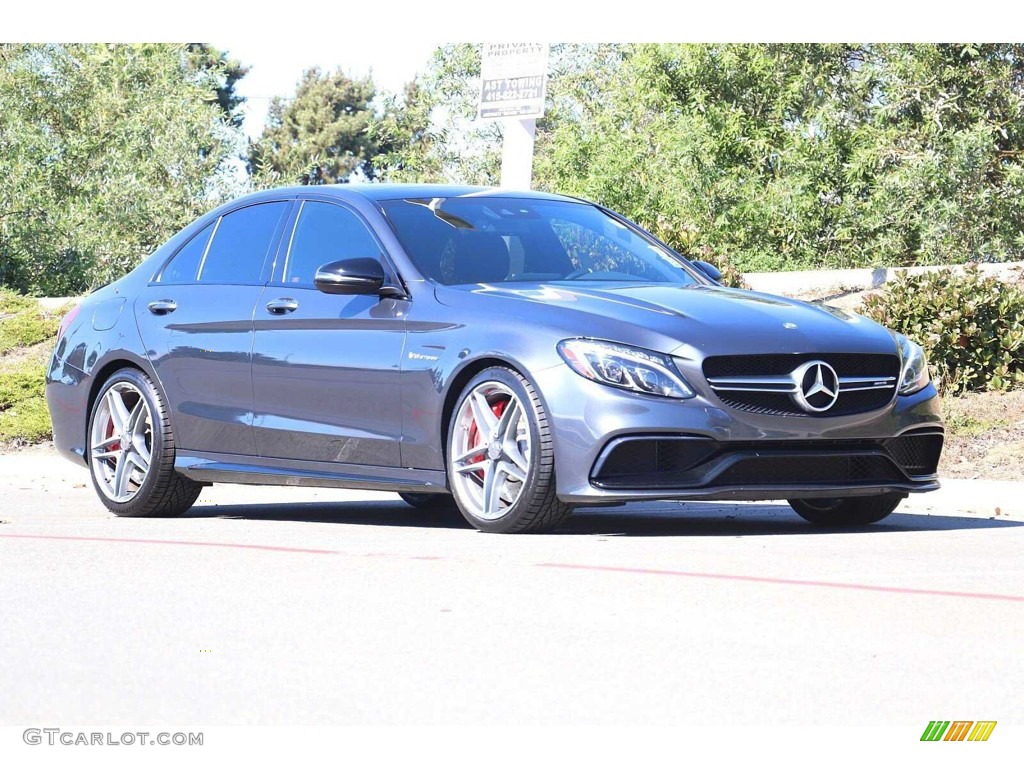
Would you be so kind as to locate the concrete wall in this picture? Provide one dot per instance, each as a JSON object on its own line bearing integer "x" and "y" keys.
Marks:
{"x": 855, "y": 279}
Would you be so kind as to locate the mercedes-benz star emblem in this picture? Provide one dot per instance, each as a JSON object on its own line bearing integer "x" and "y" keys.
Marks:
{"x": 817, "y": 386}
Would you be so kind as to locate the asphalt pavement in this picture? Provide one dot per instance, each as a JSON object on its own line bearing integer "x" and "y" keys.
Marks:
{"x": 300, "y": 606}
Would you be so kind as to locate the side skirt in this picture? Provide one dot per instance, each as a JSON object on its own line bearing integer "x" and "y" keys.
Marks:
{"x": 255, "y": 470}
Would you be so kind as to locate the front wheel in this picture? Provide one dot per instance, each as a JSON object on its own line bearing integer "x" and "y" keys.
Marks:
{"x": 131, "y": 450}
{"x": 846, "y": 512}
{"x": 501, "y": 462}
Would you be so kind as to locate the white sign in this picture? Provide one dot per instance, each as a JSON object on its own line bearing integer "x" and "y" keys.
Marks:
{"x": 513, "y": 79}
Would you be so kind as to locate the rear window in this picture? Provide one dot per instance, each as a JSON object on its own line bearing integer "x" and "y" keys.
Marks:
{"x": 185, "y": 264}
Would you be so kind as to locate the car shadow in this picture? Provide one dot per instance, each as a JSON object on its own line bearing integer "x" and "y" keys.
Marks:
{"x": 386, "y": 513}
{"x": 640, "y": 519}
{"x": 709, "y": 519}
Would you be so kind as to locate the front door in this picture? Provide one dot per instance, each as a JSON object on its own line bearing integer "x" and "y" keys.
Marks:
{"x": 325, "y": 367}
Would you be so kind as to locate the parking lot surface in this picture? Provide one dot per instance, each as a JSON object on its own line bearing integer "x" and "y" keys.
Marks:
{"x": 298, "y": 606}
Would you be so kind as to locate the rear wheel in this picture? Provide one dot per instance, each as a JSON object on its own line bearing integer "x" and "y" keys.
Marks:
{"x": 131, "y": 450}
{"x": 846, "y": 512}
{"x": 501, "y": 464}
{"x": 429, "y": 501}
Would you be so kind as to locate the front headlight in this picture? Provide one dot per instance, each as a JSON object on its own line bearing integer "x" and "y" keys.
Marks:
{"x": 915, "y": 367}
{"x": 630, "y": 368}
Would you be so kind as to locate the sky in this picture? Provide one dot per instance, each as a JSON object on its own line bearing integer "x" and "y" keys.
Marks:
{"x": 276, "y": 67}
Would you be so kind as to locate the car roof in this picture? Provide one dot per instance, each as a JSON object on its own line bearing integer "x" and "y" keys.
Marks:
{"x": 403, "y": 191}
{"x": 382, "y": 192}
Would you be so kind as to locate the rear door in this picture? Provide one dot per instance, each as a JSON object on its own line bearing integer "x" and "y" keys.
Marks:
{"x": 196, "y": 322}
{"x": 325, "y": 367}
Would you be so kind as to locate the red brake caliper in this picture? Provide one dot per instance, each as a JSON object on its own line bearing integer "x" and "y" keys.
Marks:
{"x": 474, "y": 433}
{"x": 110, "y": 432}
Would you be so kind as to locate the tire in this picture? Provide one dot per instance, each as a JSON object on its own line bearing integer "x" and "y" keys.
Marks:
{"x": 521, "y": 468}
{"x": 429, "y": 501}
{"x": 849, "y": 512}
{"x": 157, "y": 491}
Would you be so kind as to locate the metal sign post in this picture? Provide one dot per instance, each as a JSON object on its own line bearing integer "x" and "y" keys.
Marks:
{"x": 513, "y": 80}
{"x": 517, "y": 153}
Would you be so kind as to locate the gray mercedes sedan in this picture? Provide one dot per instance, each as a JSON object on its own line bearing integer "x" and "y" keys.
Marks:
{"x": 514, "y": 354}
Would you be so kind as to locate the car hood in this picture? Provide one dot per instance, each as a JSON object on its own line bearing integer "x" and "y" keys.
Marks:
{"x": 707, "y": 319}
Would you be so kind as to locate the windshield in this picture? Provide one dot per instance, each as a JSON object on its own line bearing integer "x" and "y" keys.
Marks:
{"x": 465, "y": 240}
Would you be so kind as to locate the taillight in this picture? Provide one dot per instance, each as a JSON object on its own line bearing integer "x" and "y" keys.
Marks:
{"x": 67, "y": 321}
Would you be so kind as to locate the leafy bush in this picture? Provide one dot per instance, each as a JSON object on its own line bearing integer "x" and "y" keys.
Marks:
{"x": 798, "y": 156}
{"x": 26, "y": 331}
{"x": 685, "y": 238}
{"x": 23, "y": 322}
{"x": 25, "y": 422}
{"x": 23, "y": 414}
{"x": 731, "y": 276}
{"x": 18, "y": 386}
{"x": 971, "y": 326}
{"x": 11, "y": 302}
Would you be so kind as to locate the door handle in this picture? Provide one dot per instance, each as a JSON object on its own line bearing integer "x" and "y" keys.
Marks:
{"x": 282, "y": 306}
{"x": 162, "y": 306}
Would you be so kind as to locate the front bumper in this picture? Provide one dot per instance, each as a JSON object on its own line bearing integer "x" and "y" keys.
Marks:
{"x": 743, "y": 456}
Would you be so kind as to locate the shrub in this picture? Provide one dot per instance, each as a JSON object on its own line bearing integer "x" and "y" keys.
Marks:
{"x": 26, "y": 423}
{"x": 11, "y": 302}
{"x": 20, "y": 385}
{"x": 731, "y": 276}
{"x": 971, "y": 326}
{"x": 25, "y": 327}
{"x": 23, "y": 322}
{"x": 685, "y": 238}
{"x": 23, "y": 414}
{"x": 28, "y": 327}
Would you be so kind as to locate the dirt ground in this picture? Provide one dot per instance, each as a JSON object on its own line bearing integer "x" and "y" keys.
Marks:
{"x": 985, "y": 437}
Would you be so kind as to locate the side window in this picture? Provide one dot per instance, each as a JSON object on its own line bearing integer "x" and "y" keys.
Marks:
{"x": 240, "y": 244}
{"x": 183, "y": 267}
{"x": 326, "y": 233}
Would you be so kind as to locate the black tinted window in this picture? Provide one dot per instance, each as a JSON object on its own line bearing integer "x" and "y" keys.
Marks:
{"x": 185, "y": 264}
{"x": 326, "y": 233}
{"x": 240, "y": 244}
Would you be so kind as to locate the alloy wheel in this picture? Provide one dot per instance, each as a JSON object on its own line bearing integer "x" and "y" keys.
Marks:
{"x": 121, "y": 442}
{"x": 490, "y": 450}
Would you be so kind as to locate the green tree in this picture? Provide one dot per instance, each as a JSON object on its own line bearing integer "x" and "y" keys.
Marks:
{"x": 226, "y": 72}
{"x": 791, "y": 156}
{"x": 105, "y": 151}
{"x": 432, "y": 134}
{"x": 321, "y": 136}
{"x": 940, "y": 157}
{"x": 405, "y": 137}
{"x": 775, "y": 156}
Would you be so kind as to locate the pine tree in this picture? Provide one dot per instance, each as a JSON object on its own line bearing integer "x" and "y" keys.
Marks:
{"x": 321, "y": 135}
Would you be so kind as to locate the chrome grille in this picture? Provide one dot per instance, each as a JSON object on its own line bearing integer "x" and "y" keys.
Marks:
{"x": 765, "y": 384}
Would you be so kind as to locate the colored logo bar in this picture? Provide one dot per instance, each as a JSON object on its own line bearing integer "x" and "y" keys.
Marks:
{"x": 958, "y": 730}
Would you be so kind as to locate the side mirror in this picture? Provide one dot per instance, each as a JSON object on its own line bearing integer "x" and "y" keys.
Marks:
{"x": 709, "y": 269}
{"x": 350, "y": 276}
